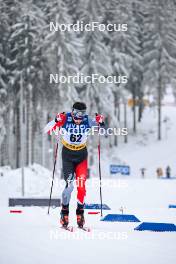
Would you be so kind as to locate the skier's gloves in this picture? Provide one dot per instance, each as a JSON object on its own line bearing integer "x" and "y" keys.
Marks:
{"x": 60, "y": 119}
{"x": 99, "y": 119}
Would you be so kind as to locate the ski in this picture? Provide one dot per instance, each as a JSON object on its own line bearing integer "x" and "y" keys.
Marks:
{"x": 72, "y": 229}
{"x": 68, "y": 228}
{"x": 85, "y": 228}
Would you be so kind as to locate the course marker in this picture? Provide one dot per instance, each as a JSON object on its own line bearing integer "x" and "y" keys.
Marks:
{"x": 156, "y": 227}
{"x": 93, "y": 213}
{"x": 16, "y": 211}
{"x": 120, "y": 218}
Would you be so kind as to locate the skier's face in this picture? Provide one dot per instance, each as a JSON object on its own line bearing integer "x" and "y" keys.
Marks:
{"x": 76, "y": 120}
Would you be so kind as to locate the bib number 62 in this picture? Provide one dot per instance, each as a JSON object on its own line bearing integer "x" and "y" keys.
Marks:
{"x": 75, "y": 137}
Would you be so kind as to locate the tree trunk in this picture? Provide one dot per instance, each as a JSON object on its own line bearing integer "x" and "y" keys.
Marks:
{"x": 117, "y": 115}
{"x": 43, "y": 122}
{"x": 141, "y": 107}
{"x": 134, "y": 109}
{"x": 30, "y": 125}
{"x": 159, "y": 82}
{"x": 22, "y": 134}
{"x": 17, "y": 132}
{"x": 125, "y": 121}
{"x": 27, "y": 128}
{"x": 159, "y": 109}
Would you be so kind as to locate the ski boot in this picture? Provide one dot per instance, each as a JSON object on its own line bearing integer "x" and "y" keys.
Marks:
{"x": 64, "y": 220}
{"x": 80, "y": 215}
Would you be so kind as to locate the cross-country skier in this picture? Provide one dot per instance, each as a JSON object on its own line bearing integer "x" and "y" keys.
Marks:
{"x": 74, "y": 126}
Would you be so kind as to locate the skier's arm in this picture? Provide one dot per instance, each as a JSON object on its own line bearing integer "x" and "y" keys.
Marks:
{"x": 57, "y": 122}
{"x": 60, "y": 119}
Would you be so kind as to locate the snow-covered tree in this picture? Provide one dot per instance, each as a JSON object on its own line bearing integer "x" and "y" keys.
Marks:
{"x": 125, "y": 46}
{"x": 96, "y": 57}
{"x": 4, "y": 81}
{"x": 63, "y": 48}
{"x": 159, "y": 49}
{"x": 26, "y": 61}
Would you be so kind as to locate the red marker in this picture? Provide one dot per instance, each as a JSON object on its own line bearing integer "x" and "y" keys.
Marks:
{"x": 16, "y": 211}
{"x": 93, "y": 213}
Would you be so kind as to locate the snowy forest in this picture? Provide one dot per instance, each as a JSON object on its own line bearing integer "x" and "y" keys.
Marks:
{"x": 30, "y": 52}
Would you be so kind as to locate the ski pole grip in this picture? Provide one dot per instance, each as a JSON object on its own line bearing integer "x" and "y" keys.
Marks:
{"x": 100, "y": 124}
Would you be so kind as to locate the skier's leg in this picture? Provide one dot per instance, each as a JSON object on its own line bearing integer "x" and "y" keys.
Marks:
{"x": 68, "y": 171}
{"x": 81, "y": 175}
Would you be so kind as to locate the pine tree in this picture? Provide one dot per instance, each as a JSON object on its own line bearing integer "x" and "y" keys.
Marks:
{"x": 64, "y": 49}
{"x": 96, "y": 57}
{"x": 159, "y": 46}
{"x": 125, "y": 46}
{"x": 4, "y": 82}
{"x": 26, "y": 60}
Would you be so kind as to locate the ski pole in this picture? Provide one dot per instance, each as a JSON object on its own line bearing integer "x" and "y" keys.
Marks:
{"x": 55, "y": 158}
{"x": 99, "y": 156}
{"x": 99, "y": 161}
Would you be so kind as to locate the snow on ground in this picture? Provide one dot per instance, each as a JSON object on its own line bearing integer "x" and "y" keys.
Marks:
{"x": 35, "y": 237}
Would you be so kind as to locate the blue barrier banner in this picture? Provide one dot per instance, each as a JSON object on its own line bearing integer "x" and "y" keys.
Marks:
{"x": 120, "y": 218}
{"x": 97, "y": 206}
{"x": 122, "y": 169}
{"x": 156, "y": 227}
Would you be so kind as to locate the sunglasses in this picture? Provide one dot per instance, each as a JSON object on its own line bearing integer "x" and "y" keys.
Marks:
{"x": 79, "y": 114}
